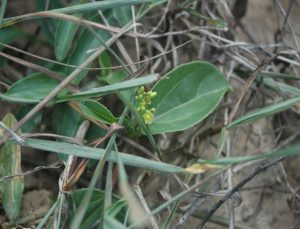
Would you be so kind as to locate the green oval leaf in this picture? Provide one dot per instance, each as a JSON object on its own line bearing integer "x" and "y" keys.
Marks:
{"x": 97, "y": 111}
{"x": 31, "y": 89}
{"x": 186, "y": 95}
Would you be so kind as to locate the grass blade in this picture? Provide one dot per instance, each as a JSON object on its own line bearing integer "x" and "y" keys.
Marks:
{"x": 287, "y": 152}
{"x": 281, "y": 87}
{"x": 264, "y": 112}
{"x": 136, "y": 211}
{"x": 97, "y": 153}
{"x": 82, "y": 8}
{"x": 102, "y": 5}
{"x": 108, "y": 89}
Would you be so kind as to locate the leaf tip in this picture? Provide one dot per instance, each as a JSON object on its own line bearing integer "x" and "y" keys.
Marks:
{"x": 200, "y": 168}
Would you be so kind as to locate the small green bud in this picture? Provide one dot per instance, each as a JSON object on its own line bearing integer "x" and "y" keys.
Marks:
{"x": 153, "y": 94}
{"x": 142, "y": 90}
{"x": 148, "y": 117}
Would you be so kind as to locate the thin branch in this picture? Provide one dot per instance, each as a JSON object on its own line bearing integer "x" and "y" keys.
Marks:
{"x": 145, "y": 60}
{"x": 259, "y": 169}
{"x": 46, "y": 71}
{"x": 55, "y": 165}
{"x": 12, "y": 133}
{"x": 248, "y": 84}
{"x": 49, "y": 135}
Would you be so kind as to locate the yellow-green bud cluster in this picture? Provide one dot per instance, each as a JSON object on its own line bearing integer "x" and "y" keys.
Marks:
{"x": 144, "y": 100}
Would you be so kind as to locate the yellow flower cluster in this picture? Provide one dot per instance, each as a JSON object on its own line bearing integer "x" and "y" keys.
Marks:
{"x": 144, "y": 101}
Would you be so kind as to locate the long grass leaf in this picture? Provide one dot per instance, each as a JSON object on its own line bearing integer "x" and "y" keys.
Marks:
{"x": 82, "y": 8}
{"x": 108, "y": 89}
{"x": 97, "y": 153}
{"x": 264, "y": 112}
{"x": 49, "y": 213}
{"x": 102, "y": 5}
{"x": 281, "y": 87}
{"x": 136, "y": 211}
{"x": 287, "y": 152}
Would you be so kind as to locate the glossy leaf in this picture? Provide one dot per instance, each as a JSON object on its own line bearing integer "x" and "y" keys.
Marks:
{"x": 97, "y": 153}
{"x": 186, "y": 95}
{"x": 30, "y": 89}
{"x": 264, "y": 112}
{"x": 97, "y": 111}
{"x": 64, "y": 38}
{"x": 10, "y": 164}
